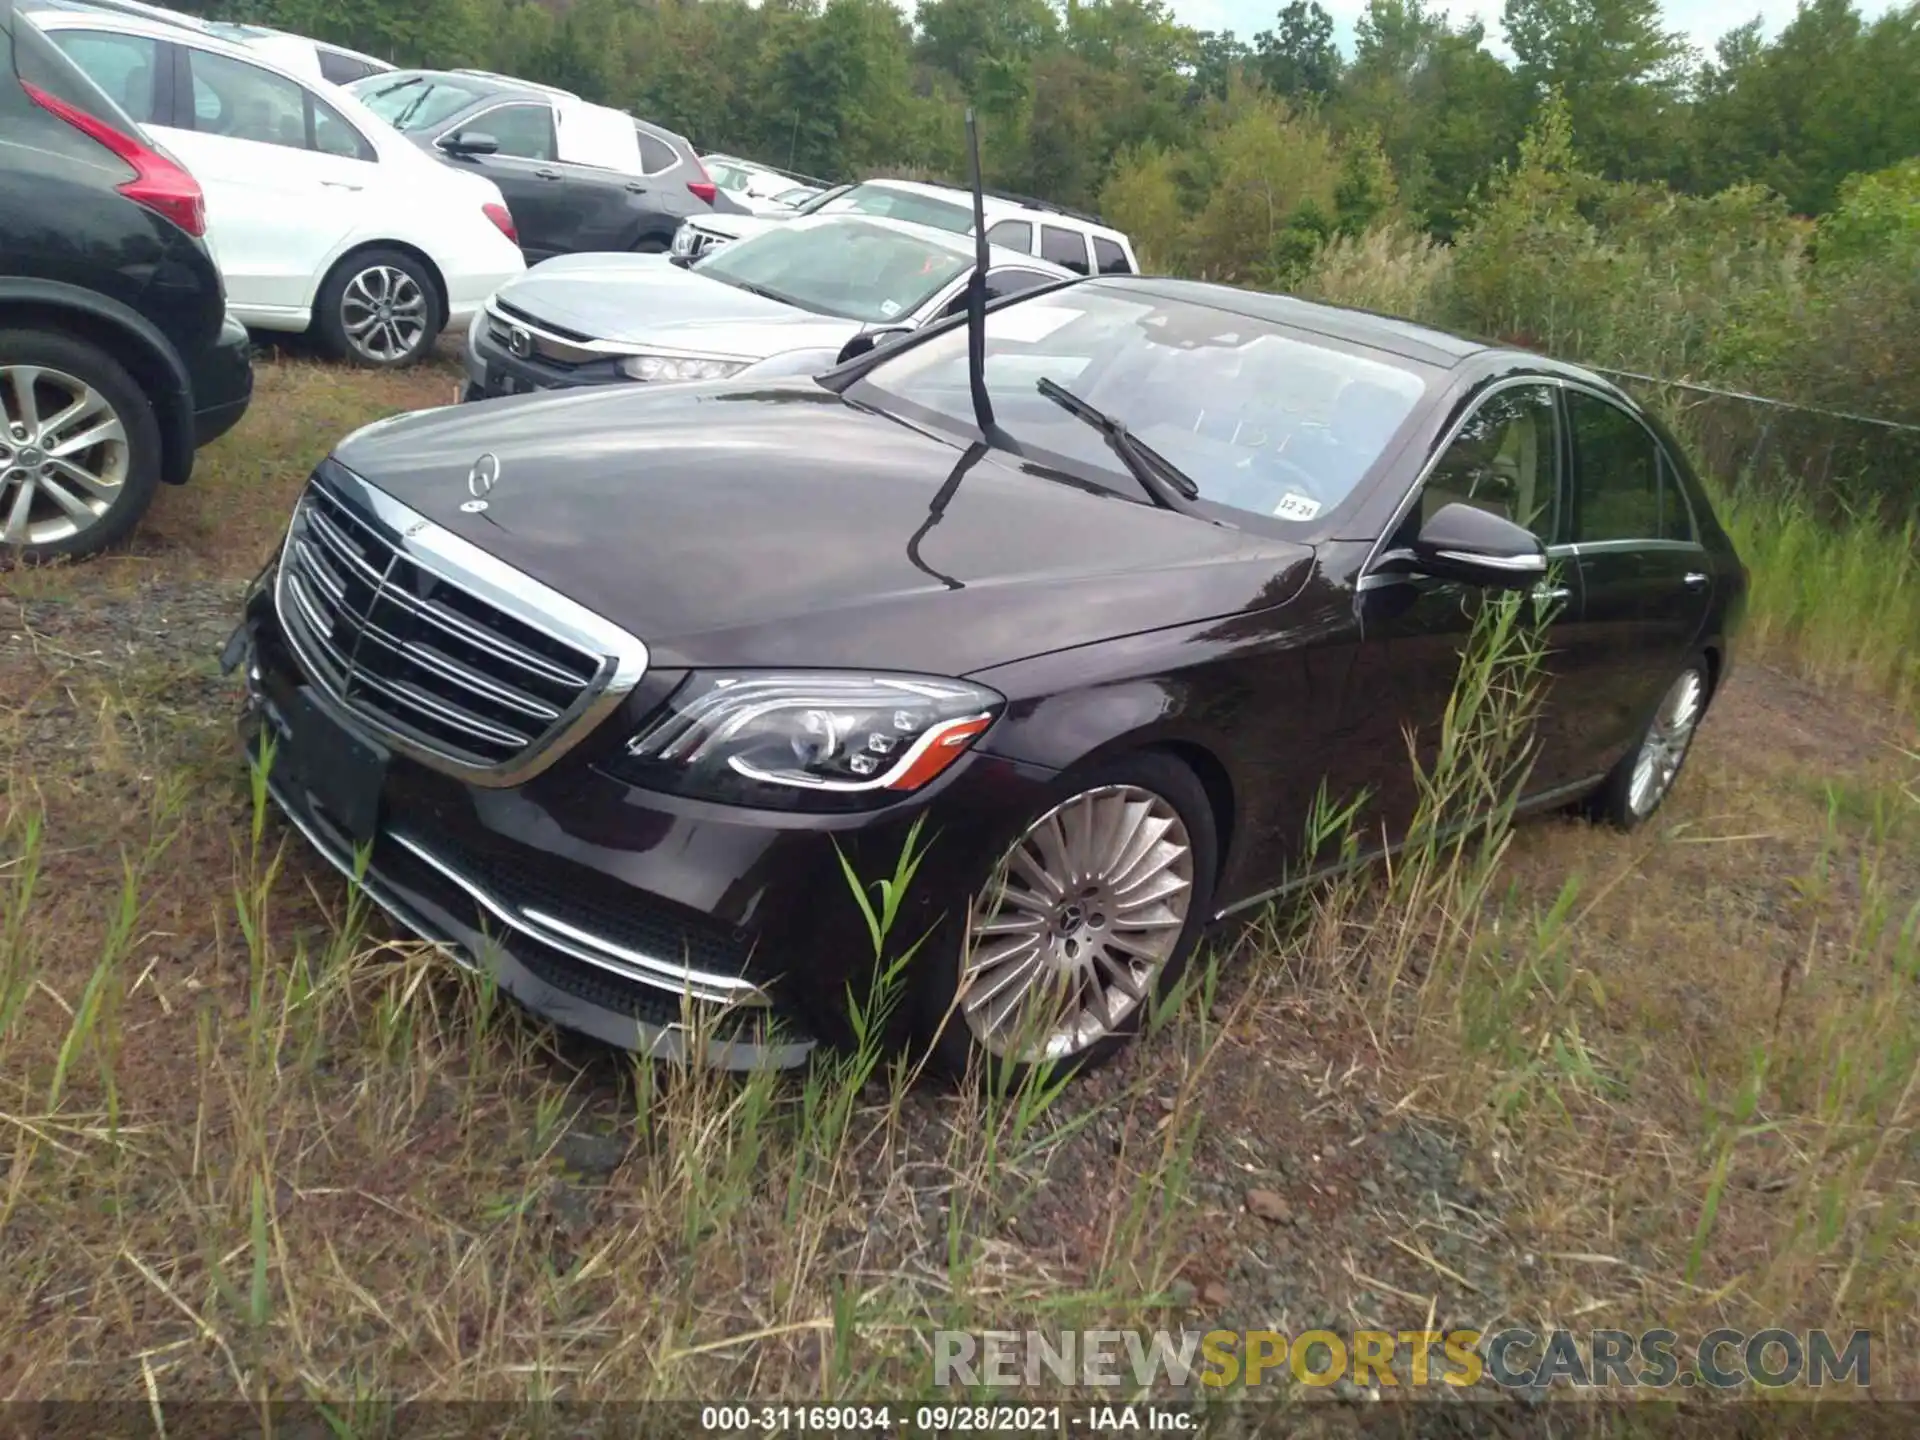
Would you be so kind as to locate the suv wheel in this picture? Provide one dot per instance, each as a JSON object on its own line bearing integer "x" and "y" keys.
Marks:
{"x": 79, "y": 447}
{"x": 380, "y": 309}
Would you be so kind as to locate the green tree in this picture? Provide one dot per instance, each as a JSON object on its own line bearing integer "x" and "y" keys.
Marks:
{"x": 1622, "y": 75}
{"x": 1297, "y": 59}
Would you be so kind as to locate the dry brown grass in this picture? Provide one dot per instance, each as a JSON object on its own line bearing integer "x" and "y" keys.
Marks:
{"x": 250, "y": 1145}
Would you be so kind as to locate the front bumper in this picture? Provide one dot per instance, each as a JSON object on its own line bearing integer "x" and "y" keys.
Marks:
{"x": 493, "y": 370}
{"x": 669, "y": 927}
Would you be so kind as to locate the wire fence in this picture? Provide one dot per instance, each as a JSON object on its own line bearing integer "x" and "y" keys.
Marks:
{"x": 1836, "y": 458}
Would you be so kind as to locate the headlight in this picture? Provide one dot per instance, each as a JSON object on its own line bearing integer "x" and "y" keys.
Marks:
{"x": 674, "y": 367}
{"x": 821, "y": 739}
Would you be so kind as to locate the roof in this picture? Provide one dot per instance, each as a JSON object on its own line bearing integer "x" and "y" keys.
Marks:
{"x": 961, "y": 245}
{"x": 1420, "y": 343}
{"x": 995, "y": 202}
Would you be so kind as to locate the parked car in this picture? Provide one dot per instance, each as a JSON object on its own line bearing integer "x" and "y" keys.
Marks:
{"x": 577, "y": 176}
{"x": 117, "y": 356}
{"x": 611, "y": 686}
{"x": 757, "y": 188}
{"x": 1079, "y": 242}
{"x": 310, "y": 59}
{"x": 321, "y": 216}
{"x": 801, "y": 291}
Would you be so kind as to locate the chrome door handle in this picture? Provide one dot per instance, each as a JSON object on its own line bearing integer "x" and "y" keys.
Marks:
{"x": 340, "y": 185}
{"x": 1695, "y": 580}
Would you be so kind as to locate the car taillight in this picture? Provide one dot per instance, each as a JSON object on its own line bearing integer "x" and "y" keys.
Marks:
{"x": 704, "y": 187}
{"x": 159, "y": 184}
{"x": 502, "y": 219}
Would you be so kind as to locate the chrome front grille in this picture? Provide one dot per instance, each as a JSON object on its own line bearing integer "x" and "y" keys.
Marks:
{"x": 437, "y": 646}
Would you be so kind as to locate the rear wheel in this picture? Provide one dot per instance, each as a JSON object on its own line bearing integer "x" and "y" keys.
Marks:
{"x": 79, "y": 447}
{"x": 1090, "y": 915}
{"x": 1646, "y": 773}
{"x": 378, "y": 308}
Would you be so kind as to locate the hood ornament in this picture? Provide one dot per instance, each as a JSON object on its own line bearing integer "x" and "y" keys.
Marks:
{"x": 481, "y": 479}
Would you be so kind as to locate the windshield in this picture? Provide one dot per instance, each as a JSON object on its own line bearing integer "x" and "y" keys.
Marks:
{"x": 1262, "y": 418}
{"x": 900, "y": 205}
{"x": 414, "y": 102}
{"x": 853, "y": 270}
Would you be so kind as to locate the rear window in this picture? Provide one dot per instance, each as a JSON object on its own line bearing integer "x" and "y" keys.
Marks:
{"x": 416, "y": 102}
{"x": 1111, "y": 259}
{"x": 1064, "y": 247}
{"x": 338, "y": 69}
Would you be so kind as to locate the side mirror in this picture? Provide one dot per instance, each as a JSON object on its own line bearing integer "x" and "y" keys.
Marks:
{"x": 868, "y": 340}
{"x": 1462, "y": 542}
{"x": 470, "y": 142}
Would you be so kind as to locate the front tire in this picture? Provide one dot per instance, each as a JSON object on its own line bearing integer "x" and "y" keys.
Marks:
{"x": 1646, "y": 773}
{"x": 379, "y": 309}
{"x": 79, "y": 447}
{"x": 1092, "y": 915}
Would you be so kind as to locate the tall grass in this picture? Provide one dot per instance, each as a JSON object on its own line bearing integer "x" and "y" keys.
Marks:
{"x": 1836, "y": 600}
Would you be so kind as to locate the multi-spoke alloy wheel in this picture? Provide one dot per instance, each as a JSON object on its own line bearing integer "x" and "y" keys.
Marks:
{"x": 384, "y": 314}
{"x": 64, "y": 456}
{"x": 1069, "y": 937}
{"x": 1666, "y": 742}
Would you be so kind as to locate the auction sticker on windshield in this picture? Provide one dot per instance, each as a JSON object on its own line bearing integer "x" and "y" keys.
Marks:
{"x": 1296, "y": 507}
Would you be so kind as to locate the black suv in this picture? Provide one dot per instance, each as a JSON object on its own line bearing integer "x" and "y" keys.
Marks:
{"x": 117, "y": 358}
{"x": 511, "y": 131}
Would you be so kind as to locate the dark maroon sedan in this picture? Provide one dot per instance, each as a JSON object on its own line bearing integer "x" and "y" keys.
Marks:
{"x": 608, "y": 683}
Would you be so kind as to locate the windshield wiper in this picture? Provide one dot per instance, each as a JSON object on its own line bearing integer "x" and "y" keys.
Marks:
{"x": 1157, "y": 474}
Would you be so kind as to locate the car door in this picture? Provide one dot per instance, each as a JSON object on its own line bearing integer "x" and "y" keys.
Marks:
{"x": 1643, "y": 571}
{"x": 525, "y": 169}
{"x": 602, "y": 207}
{"x": 1506, "y": 455}
{"x": 277, "y": 207}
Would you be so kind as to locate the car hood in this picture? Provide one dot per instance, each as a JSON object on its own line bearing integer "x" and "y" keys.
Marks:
{"x": 777, "y": 524}
{"x": 644, "y": 300}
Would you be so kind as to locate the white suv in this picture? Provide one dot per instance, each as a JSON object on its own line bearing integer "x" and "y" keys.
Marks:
{"x": 1080, "y": 243}
{"x": 320, "y": 215}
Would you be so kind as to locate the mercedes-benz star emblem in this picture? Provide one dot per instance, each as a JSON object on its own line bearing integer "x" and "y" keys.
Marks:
{"x": 519, "y": 342}
{"x": 481, "y": 479}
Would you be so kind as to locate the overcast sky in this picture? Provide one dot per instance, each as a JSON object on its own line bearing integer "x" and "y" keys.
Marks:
{"x": 1703, "y": 21}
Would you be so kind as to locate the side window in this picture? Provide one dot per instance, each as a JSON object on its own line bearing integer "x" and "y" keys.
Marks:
{"x": 1064, "y": 247}
{"x": 1011, "y": 281}
{"x": 655, "y": 154}
{"x": 1110, "y": 257}
{"x": 1617, "y": 473}
{"x": 1014, "y": 234}
{"x": 1676, "y": 514}
{"x": 334, "y": 134}
{"x": 122, "y": 65}
{"x": 524, "y": 131}
{"x": 1007, "y": 281}
{"x": 244, "y": 102}
{"x": 1504, "y": 460}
